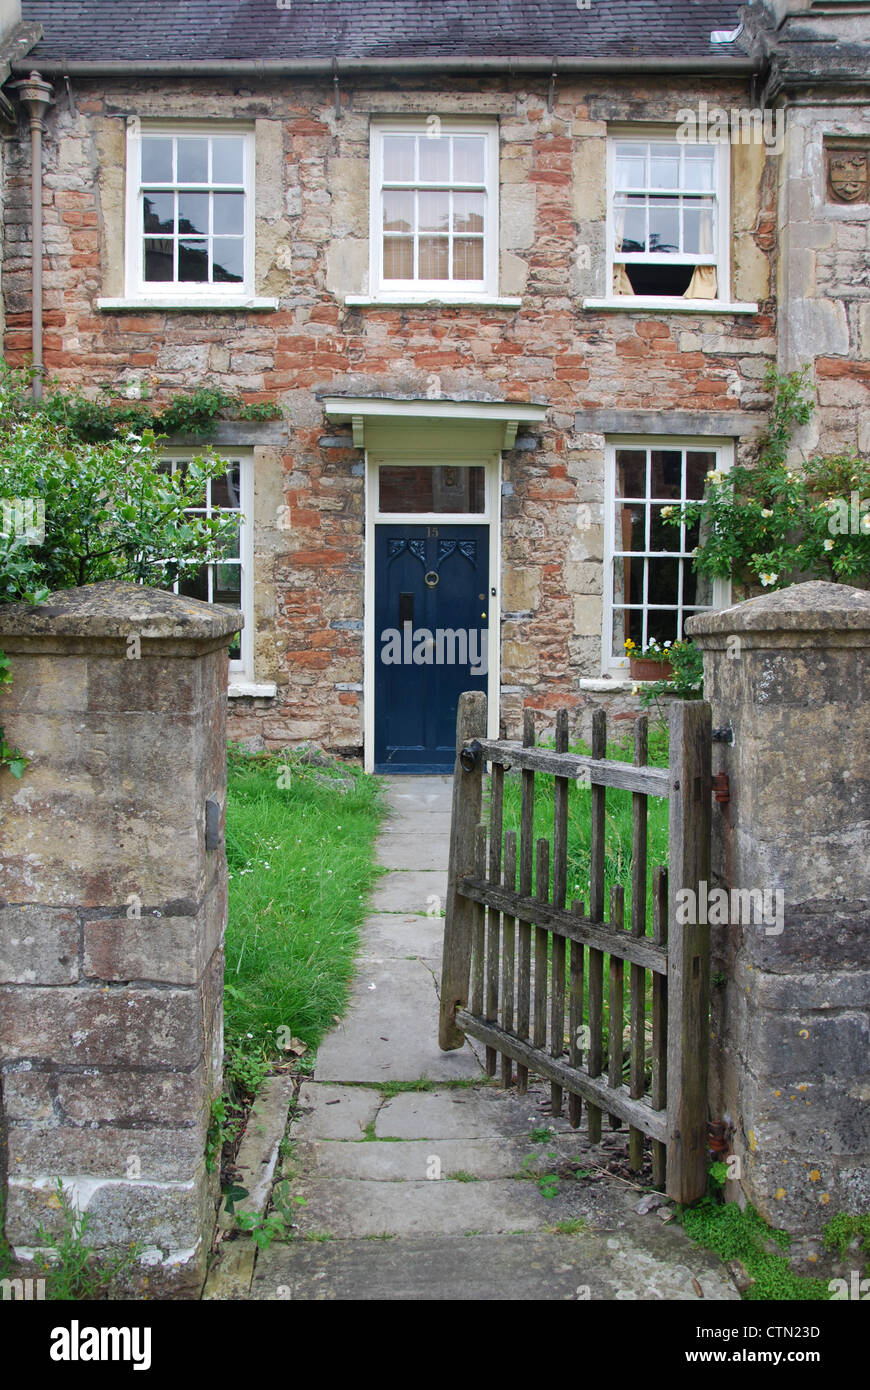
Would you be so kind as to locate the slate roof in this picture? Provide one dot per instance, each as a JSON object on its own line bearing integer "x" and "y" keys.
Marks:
{"x": 189, "y": 30}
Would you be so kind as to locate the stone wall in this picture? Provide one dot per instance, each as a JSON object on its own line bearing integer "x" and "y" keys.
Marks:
{"x": 312, "y": 249}
{"x": 790, "y": 1056}
{"x": 823, "y": 283}
{"x": 112, "y": 917}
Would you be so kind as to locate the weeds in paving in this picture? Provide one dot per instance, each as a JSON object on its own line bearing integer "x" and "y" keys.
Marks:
{"x": 462, "y": 1175}
{"x": 541, "y": 1134}
{"x": 847, "y": 1231}
{"x": 548, "y": 1183}
{"x": 383, "y": 1235}
{"x": 68, "y": 1260}
{"x": 745, "y": 1236}
{"x": 370, "y": 1137}
{"x": 569, "y": 1227}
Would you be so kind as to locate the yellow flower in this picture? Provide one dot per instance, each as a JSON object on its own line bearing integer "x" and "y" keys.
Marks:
{"x": 629, "y": 645}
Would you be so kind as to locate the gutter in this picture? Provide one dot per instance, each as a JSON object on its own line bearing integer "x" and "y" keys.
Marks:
{"x": 13, "y": 46}
{"x": 327, "y": 67}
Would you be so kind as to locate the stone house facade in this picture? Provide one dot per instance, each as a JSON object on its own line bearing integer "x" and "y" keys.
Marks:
{"x": 512, "y": 283}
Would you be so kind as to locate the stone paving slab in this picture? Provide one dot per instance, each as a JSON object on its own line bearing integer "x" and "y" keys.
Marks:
{"x": 348, "y": 1208}
{"x": 409, "y": 890}
{"x": 492, "y": 1268}
{"x": 334, "y": 1112}
{"x": 390, "y": 1032}
{"x": 413, "y": 851}
{"x": 409, "y": 1161}
{"x": 409, "y": 794}
{"x": 461, "y": 1113}
{"x": 403, "y": 935}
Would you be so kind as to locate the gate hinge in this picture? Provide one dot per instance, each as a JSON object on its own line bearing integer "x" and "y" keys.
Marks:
{"x": 721, "y": 789}
{"x": 718, "y": 1135}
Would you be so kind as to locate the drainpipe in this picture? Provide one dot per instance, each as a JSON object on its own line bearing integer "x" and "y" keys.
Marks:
{"x": 36, "y": 96}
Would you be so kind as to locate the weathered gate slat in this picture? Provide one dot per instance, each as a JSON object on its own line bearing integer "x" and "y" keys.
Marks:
{"x": 637, "y": 1112}
{"x": 478, "y": 928}
{"x": 527, "y": 818}
{"x": 637, "y": 979}
{"x": 508, "y": 959}
{"x": 654, "y": 781}
{"x": 493, "y": 917}
{"x": 496, "y": 902}
{"x": 575, "y": 1016}
{"x": 596, "y": 912}
{"x": 560, "y": 888}
{"x": 689, "y": 951}
{"x": 539, "y": 1033}
{"x": 568, "y": 924}
{"x": 615, "y": 999}
{"x": 659, "y": 1091}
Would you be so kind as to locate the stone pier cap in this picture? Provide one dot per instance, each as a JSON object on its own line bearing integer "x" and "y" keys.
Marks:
{"x": 115, "y": 609}
{"x": 839, "y": 610}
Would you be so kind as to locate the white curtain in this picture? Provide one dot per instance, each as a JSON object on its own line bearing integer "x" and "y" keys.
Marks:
{"x": 704, "y": 284}
{"x": 621, "y": 282}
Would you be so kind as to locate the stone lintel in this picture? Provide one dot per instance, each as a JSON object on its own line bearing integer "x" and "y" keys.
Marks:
{"x": 731, "y": 424}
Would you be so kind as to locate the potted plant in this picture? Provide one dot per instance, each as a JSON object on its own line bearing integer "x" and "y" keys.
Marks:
{"x": 652, "y": 663}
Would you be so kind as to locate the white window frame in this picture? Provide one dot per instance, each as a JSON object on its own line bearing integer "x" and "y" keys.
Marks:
{"x": 189, "y": 292}
{"x": 721, "y": 221}
{"x": 724, "y": 448}
{"x": 241, "y": 669}
{"x": 421, "y": 291}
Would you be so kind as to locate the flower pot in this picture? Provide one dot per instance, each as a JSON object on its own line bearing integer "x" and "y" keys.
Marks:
{"x": 645, "y": 668}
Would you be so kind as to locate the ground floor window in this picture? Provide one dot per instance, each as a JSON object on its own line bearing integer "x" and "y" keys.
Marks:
{"x": 228, "y": 580}
{"x": 651, "y": 587}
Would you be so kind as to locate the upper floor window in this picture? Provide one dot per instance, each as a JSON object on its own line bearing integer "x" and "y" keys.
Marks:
{"x": 650, "y": 583}
{"x": 228, "y": 580}
{"x": 667, "y": 218}
{"x": 434, "y": 209}
{"x": 190, "y": 212}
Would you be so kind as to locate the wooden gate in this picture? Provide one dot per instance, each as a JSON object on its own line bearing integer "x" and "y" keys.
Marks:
{"x": 506, "y": 979}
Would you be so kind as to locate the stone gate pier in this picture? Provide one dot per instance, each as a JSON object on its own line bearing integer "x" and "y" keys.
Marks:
{"x": 113, "y": 904}
{"x": 789, "y": 675}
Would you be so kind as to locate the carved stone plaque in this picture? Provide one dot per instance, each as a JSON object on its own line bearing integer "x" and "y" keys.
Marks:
{"x": 849, "y": 174}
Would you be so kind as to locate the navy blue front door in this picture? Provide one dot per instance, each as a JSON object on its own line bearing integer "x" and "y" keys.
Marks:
{"x": 432, "y": 609}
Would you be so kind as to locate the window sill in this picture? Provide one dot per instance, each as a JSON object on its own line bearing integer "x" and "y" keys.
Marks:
{"x": 603, "y": 685}
{"x": 422, "y": 301}
{"x": 630, "y": 304}
{"x": 260, "y": 690}
{"x": 249, "y": 303}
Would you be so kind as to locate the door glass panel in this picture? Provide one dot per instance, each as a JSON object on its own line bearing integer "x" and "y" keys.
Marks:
{"x": 420, "y": 488}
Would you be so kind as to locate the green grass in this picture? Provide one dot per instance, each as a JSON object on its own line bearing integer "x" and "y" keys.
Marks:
{"x": 743, "y": 1235}
{"x": 300, "y": 858}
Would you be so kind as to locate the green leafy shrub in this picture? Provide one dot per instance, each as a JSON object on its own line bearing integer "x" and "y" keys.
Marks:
{"x": 772, "y": 524}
